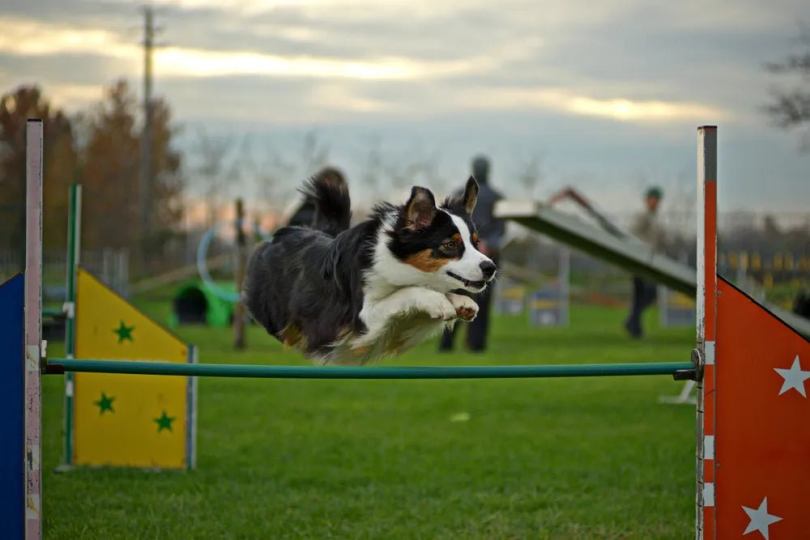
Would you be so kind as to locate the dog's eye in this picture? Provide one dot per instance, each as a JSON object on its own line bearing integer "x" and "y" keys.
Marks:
{"x": 449, "y": 245}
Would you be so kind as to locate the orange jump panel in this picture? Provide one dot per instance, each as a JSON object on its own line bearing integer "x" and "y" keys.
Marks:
{"x": 762, "y": 464}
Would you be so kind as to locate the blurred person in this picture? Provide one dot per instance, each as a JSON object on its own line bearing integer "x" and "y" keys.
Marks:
{"x": 490, "y": 234}
{"x": 648, "y": 229}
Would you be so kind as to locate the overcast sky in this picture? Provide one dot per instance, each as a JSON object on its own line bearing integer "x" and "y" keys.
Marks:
{"x": 605, "y": 94}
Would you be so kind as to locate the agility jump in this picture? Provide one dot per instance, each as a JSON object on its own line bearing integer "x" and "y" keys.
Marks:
{"x": 112, "y": 420}
{"x": 752, "y": 409}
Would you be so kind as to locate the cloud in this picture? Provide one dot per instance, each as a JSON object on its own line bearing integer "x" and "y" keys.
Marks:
{"x": 622, "y": 108}
{"x": 72, "y": 96}
{"x": 586, "y": 83}
{"x": 626, "y": 109}
{"x": 175, "y": 61}
{"x": 29, "y": 37}
{"x": 341, "y": 98}
{"x": 32, "y": 38}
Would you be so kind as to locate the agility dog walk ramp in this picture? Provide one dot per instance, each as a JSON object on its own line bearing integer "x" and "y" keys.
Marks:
{"x": 628, "y": 253}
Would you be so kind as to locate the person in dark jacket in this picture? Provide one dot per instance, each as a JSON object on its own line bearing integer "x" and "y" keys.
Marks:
{"x": 645, "y": 292}
{"x": 490, "y": 233}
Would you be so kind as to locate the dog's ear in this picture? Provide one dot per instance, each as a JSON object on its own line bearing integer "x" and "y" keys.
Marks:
{"x": 470, "y": 197}
{"x": 464, "y": 202}
{"x": 420, "y": 209}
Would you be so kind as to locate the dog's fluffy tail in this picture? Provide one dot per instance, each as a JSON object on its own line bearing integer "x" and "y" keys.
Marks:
{"x": 329, "y": 192}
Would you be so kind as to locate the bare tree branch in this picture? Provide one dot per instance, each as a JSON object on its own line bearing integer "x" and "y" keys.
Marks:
{"x": 790, "y": 108}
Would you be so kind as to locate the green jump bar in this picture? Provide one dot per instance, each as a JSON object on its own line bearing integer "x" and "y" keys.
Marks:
{"x": 60, "y": 365}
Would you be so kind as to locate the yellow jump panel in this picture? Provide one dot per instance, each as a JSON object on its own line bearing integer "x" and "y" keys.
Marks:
{"x": 128, "y": 420}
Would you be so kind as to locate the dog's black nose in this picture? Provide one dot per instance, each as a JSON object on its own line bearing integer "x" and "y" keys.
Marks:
{"x": 488, "y": 269}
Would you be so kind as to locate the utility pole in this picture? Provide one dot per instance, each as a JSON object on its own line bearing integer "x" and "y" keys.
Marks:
{"x": 145, "y": 187}
{"x": 239, "y": 313}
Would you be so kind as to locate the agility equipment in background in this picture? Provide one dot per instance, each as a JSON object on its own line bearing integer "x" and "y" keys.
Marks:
{"x": 131, "y": 420}
{"x": 11, "y": 403}
{"x": 549, "y": 305}
{"x": 674, "y": 308}
{"x": 113, "y": 420}
{"x": 627, "y": 253}
{"x": 753, "y": 410}
{"x": 198, "y": 302}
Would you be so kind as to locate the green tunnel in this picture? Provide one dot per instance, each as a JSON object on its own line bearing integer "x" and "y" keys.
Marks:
{"x": 196, "y": 302}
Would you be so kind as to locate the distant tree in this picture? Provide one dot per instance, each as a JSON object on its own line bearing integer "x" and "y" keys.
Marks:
{"x": 373, "y": 169}
{"x": 771, "y": 227}
{"x": 110, "y": 174}
{"x": 276, "y": 179}
{"x": 267, "y": 174}
{"x": 213, "y": 170}
{"x": 790, "y": 108}
{"x": 61, "y": 167}
{"x": 167, "y": 191}
{"x": 415, "y": 169}
{"x": 314, "y": 155}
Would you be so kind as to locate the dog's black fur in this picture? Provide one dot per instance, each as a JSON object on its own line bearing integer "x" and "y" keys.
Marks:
{"x": 307, "y": 281}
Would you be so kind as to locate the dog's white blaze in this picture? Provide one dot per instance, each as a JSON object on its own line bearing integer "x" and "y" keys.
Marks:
{"x": 469, "y": 265}
{"x": 387, "y": 273}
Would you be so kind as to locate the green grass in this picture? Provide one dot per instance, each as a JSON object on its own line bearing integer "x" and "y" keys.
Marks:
{"x": 553, "y": 458}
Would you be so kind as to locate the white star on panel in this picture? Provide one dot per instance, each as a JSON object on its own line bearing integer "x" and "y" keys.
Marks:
{"x": 794, "y": 377}
{"x": 760, "y": 519}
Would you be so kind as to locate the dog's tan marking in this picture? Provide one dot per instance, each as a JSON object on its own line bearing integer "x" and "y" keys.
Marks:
{"x": 291, "y": 335}
{"x": 344, "y": 332}
{"x": 361, "y": 351}
{"x": 425, "y": 261}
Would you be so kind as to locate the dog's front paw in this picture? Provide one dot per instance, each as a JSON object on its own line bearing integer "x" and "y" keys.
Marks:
{"x": 466, "y": 308}
{"x": 437, "y": 306}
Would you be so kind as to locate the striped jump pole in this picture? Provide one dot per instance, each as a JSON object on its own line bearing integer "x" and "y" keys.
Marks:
{"x": 706, "y": 318}
{"x": 32, "y": 405}
{"x": 69, "y": 308}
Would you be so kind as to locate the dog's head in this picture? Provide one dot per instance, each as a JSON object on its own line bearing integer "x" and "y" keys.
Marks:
{"x": 437, "y": 247}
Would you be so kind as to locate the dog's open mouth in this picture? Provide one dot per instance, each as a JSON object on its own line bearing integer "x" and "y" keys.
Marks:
{"x": 467, "y": 283}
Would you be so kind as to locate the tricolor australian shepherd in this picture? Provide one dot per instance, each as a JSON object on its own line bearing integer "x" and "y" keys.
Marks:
{"x": 372, "y": 290}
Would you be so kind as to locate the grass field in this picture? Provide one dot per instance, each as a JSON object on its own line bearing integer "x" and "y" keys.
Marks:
{"x": 556, "y": 458}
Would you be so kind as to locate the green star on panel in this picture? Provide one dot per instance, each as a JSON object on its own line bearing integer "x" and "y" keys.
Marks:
{"x": 124, "y": 332}
{"x": 105, "y": 403}
{"x": 164, "y": 422}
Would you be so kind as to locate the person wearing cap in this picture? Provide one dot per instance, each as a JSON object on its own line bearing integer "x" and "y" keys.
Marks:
{"x": 646, "y": 228}
{"x": 490, "y": 234}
